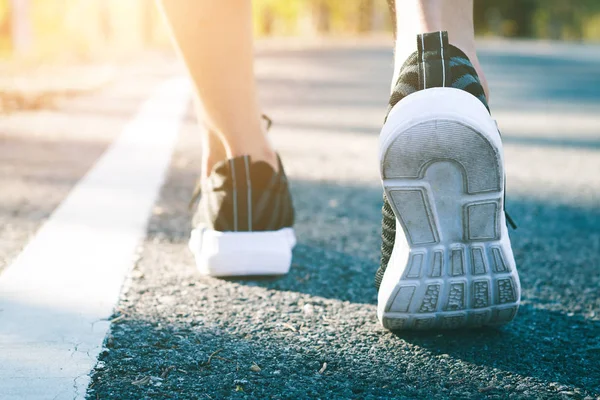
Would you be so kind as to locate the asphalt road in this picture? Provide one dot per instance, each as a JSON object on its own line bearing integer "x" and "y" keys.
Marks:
{"x": 314, "y": 333}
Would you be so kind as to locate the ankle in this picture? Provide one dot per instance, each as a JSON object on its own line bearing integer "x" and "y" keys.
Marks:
{"x": 213, "y": 152}
{"x": 254, "y": 143}
{"x": 216, "y": 149}
{"x": 257, "y": 152}
{"x": 210, "y": 159}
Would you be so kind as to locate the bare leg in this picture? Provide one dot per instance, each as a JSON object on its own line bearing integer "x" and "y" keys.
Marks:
{"x": 421, "y": 16}
{"x": 214, "y": 39}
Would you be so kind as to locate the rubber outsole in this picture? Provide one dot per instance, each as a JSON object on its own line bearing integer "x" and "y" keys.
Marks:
{"x": 229, "y": 254}
{"x": 442, "y": 171}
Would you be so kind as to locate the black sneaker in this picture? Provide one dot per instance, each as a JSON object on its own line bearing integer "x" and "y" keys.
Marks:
{"x": 442, "y": 168}
{"x": 243, "y": 223}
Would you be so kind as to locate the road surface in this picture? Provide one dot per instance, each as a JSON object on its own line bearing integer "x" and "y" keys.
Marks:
{"x": 314, "y": 333}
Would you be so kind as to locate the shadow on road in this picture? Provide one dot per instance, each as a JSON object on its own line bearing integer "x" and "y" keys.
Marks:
{"x": 555, "y": 339}
{"x": 205, "y": 359}
{"x": 556, "y": 336}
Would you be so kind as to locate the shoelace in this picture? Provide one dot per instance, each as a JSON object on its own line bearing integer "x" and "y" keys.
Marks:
{"x": 510, "y": 221}
{"x": 198, "y": 188}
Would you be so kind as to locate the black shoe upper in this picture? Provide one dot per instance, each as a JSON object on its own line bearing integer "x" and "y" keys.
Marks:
{"x": 423, "y": 70}
{"x": 245, "y": 196}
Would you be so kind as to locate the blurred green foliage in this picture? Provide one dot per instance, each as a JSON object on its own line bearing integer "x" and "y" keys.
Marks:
{"x": 281, "y": 17}
{"x": 79, "y": 28}
{"x": 85, "y": 27}
{"x": 544, "y": 19}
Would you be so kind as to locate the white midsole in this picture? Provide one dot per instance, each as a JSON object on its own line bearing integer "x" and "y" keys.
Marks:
{"x": 242, "y": 253}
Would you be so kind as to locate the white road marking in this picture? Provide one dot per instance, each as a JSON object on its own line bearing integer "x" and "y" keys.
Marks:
{"x": 56, "y": 296}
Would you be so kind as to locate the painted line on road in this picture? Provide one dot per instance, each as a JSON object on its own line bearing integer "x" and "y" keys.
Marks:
{"x": 57, "y": 295}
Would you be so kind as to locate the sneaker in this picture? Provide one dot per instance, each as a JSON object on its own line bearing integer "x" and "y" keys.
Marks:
{"x": 442, "y": 169}
{"x": 243, "y": 223}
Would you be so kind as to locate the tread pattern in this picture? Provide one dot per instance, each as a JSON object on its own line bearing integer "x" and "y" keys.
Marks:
{"x": 499, "y": 264}
{"x": 427, "y": 143}
{"x": 412, "y": 202}
{"x": 430, "y": 299}
{"x": 481, "y": 294}
{"x": 403, "y": 299}
{"x": 436, "y": 266}
{"x": 506, "y": 291}
{"x": 456, "y": 298}
{"x": 477, "y": 263}
{"x": 489, "y": 298}
{"x": 457, "y": 264}
{"x": 478, "y": 222}
{"x": 459, "y": 275}
{"x": 415, "y": 266}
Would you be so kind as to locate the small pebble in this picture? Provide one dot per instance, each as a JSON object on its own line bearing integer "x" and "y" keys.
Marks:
{"x": 255, "y": 368}
{"x": 308, "y": 310}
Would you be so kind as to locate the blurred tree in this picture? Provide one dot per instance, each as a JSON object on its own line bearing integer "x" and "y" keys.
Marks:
{"x": 553, "y": 19}
{"x": 321, "y": 12}
{"x": 366, "y": 11}
{"x": 82, "y": 27}
{"x": 505, "y": 17}
{"x": 104, "y": 23}
{"x": 20, "y": 26}
{"x": 148, "y": 22}
{"x": 5, "y": 26}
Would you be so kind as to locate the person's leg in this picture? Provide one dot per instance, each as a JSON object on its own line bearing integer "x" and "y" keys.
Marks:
{"x": 244, "y": 219}
{"x": 215, "y": 40}
{"x": 446, "y": 258}
{"x": 414, "y": 17}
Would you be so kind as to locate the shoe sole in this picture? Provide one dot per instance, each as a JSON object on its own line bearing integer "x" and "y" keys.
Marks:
{"x": 442, "y": 170}
{"x": 229, "y": 254}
